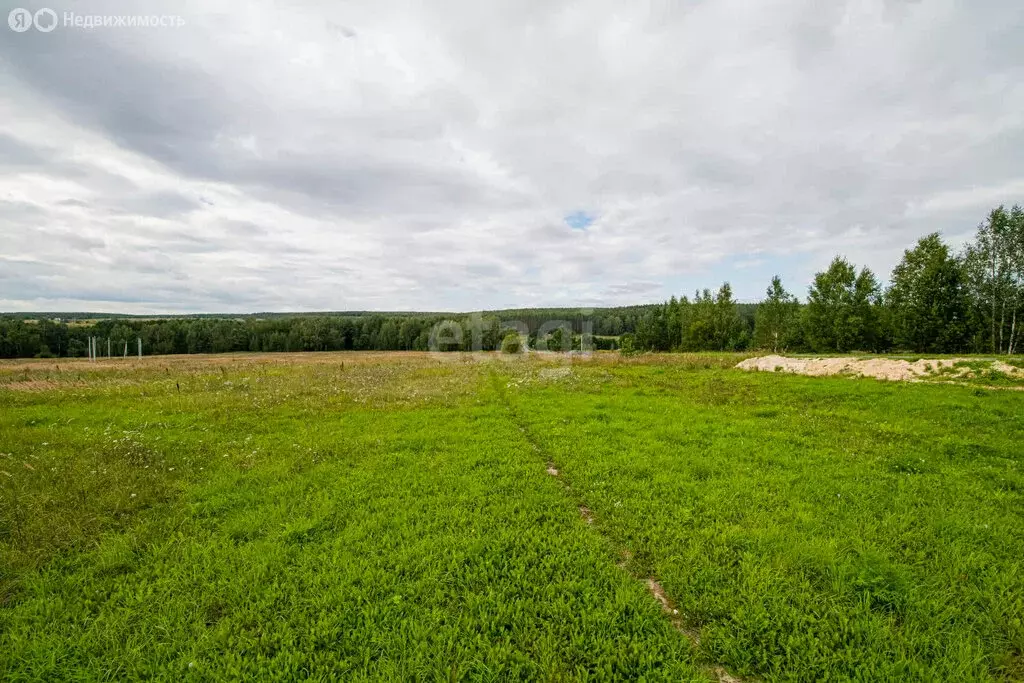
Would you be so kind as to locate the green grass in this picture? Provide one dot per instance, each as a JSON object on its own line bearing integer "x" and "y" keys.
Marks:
{"x": 390, "y": 517}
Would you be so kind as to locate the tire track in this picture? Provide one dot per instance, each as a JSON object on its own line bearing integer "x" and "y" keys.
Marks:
{"x": 652, "y": 584}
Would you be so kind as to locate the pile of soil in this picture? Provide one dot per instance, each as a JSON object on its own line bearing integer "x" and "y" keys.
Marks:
{"x": 880, "y": 368}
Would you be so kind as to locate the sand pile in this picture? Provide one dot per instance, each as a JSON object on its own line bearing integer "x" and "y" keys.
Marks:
{"x": 880, "y": 368}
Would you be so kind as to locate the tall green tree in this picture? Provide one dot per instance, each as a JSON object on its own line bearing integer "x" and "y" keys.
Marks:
{"x": 994, "y": 266}
{"x": 712, "y": 322}
{"x": 729, "y": 329}
{"x": 699, "y": 331}
{"x": 927, "y": 299}
{"x": 842, "y": 309}
{"x": 1017, "y": 278}
{"x": 777, "y": 320}
{"x": 653, "y": 331}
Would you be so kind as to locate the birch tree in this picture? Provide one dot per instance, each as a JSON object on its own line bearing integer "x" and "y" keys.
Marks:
{"x": 995, "y": 278}
{"x": 1016, "y": 257}
{"x": 776, "y": 323}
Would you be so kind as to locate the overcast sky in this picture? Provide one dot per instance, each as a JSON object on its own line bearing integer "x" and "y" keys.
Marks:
{"x": 472, "y": 154}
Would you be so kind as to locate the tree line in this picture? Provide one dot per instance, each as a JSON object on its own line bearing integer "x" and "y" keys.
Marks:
{"x": 938, "y": 301}
{"x": 22, "y": 336}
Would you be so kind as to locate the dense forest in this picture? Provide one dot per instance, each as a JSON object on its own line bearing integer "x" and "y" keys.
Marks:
{"x": 56, "y": 336}
{"x": 937, "y": 301}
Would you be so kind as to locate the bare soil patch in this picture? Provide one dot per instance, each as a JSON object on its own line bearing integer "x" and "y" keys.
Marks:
{"x": 893, "y": 369}
{"x": 586, "y": 514}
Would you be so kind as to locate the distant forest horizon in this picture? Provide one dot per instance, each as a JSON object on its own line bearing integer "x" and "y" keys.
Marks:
{"x": 936, "y": 301}
{"x": 98, "y": 315}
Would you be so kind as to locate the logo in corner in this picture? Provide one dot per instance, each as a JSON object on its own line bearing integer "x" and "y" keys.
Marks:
{"x": 45, "y": 20}
{"x": 20, "y": 20}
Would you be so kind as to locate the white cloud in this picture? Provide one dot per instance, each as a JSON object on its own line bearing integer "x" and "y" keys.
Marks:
{"x": 397, "y": 155}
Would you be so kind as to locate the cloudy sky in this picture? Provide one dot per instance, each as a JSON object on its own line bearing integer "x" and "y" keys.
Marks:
{"x": 463, "y": 155}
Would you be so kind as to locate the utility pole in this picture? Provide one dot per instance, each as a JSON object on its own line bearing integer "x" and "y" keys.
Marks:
{"x": 140, "y": 346}
{"x": 108, "y": 347}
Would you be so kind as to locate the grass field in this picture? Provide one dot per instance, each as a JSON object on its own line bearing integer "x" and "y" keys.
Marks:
{"x": 455, "y": 517}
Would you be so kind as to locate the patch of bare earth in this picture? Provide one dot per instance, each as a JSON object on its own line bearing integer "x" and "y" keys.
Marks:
{"x": 892, "y": 369}
{"x": 586, "y": 514}
{"x": 724, "y": 676}
{"x": 670, "y": 609}
{"x": 1006, "y": 368}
